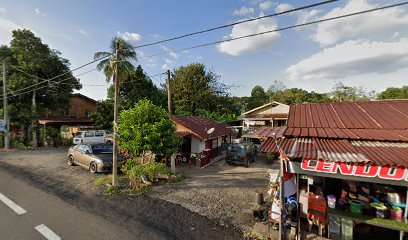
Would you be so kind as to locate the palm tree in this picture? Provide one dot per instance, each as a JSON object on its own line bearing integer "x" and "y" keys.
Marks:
{"x": 126, "y": 55}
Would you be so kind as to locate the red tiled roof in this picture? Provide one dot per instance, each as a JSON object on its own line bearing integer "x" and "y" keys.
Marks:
{"x": 376, "y": 120}
{"x": 269, "y": 131}
{"x": 335, "y": 150}
{"x": 199, "y": 126}
{"x": 64, "y": 120}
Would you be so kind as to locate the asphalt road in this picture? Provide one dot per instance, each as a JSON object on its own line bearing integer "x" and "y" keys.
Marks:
{"x": 44, "y": 216}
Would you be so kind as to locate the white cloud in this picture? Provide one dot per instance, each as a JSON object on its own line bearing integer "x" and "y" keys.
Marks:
{"x": 3, "y": 10}
{"x": 370, "y": 25}
{"x": 170, "y": 51}
{"x": 244, "y": 11}
{"x": 265, "y": 6}
{"x": 6, "y": 27}
{"x": 352, "y": 58}
{"x": 308, "y": 16}
{"x": 165, "y": 66}
{"x": 82, "y": 32}
{"x": 37, "y": 11}
{"x": 130, "y": 36}
{"x": 283, "y": 7}
{"x": 251, "y": 44}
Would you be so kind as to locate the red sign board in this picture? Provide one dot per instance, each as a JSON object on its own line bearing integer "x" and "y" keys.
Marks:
{"x": 360, "y": 169}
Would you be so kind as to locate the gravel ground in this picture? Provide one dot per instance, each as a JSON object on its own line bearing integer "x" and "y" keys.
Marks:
{"x": 222, "y": 192}
{"x": 220, "y": 197}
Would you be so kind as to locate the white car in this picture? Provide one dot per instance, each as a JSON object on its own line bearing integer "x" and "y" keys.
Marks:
{"x": 92, "y": 136}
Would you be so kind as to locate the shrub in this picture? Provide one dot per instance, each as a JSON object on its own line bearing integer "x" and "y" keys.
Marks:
{"x": 135, "y": 170}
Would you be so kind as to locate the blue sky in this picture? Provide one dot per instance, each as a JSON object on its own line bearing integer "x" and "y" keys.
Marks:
{"x": 368, "y": 50}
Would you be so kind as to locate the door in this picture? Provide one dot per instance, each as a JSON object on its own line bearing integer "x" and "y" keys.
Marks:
{"x": 208, "y": 148}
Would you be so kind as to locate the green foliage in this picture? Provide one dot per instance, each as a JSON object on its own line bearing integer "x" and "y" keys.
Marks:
{"x": 258, "y": 97}
{"x": 154, "y": 170}
{"x": 147, "y": 127}
{"x": 194, "y": 87}
{"x": 18, "y": 142}
{"x": 394, "y": 93}
{"x": 135, "y": 170}
{"x": 103, "y": 116}
{"x": 217, "y": 116}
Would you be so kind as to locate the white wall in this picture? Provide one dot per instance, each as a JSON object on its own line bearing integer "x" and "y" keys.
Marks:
{"x": 197, "y": 145}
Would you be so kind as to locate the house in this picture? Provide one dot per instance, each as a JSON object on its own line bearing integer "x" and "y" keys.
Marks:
{"x": 346, "y": 150}
{"x": 71, "y": 119}
{"x": 273, "y": 114}
{"x": 202, "y": 136}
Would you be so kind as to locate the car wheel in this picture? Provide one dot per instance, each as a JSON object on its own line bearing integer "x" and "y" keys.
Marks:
{"x": 109, "y": 142}
{"x": 71, "y": 161}
{"x": 246, "y": 163}
{"x": 93, "y": 167}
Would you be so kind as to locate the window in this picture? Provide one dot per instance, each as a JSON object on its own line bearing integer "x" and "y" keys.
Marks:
{"x": 99, "y": 134}
{"x": 89, "y": 134}
{"x": 87, "y": 112}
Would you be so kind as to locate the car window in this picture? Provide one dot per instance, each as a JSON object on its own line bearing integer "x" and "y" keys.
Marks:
{"x": 81, "y": 148}
{"x": 99, "y": 134}
{"x": 78, "y": 134}
{"x": 234, "y": 148}
{"x": 99, "y": 149}
{"x": 89, "y": 134}
{"x": 87, "y": 148}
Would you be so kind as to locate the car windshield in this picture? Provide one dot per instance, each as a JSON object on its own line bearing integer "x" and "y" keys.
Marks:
{"x": 234, "y": 148}
{"x": 78, "y": 134}
{"x": 99, "y": 149}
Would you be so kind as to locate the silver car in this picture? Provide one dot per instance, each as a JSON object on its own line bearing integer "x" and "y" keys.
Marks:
{"x": 95, "y": 157}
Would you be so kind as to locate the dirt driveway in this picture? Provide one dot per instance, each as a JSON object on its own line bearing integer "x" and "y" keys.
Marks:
{"x": 221, "y": 192}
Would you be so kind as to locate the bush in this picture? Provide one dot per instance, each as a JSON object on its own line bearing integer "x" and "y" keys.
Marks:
{"x": 135, "y": 171}
{"x": 17, "y": 142}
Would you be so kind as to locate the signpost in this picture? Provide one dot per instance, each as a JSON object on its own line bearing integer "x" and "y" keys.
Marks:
{"x": 2, "y": 125}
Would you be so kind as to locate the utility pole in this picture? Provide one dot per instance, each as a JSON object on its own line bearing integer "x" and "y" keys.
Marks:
{"x": 5, "y": 110}
{"x": 169, "y": 93}
{"x": 33, "y": 127}
{"x": 115, "y": 120}
{"x": 172, "y": 157}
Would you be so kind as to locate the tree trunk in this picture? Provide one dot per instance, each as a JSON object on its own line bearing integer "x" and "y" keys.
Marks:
{"x": 33, "y": 129}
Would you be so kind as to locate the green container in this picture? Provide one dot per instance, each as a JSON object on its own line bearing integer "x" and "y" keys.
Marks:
{"x": 356, "y": 207}
{"x": 346, "y": 229}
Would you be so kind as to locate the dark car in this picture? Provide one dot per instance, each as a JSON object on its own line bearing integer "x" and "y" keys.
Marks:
{"x": 95, "y": 157}
{"x": 241, "y": 153}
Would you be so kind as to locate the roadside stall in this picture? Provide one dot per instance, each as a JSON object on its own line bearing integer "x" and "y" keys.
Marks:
{"x": 350, "y": 161}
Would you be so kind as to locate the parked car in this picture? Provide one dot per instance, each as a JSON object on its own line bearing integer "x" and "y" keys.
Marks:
{"x": 93, "y": 136}
{"x": 96, "y": 157}
{"x": 240, "y": 153}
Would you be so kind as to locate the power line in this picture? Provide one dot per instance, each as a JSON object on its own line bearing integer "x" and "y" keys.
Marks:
{"x": 26, "y": 73}
{"x": 175, "y": 38}
{"x": 54, "y": 83}
{"x": 236, "y": 23}
{"x": 278, "y": 29}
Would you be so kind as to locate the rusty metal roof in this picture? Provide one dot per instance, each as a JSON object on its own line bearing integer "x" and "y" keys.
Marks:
{"x": 199, "y": 126}
{"x": 375, "y": 120}
{"x": 269, "y": 131}
{"x": 335, "y": 150}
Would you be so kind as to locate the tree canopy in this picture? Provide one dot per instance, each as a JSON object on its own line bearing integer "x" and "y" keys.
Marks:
{"x": 30, "y": 62}
{"x": 147, "y": 127}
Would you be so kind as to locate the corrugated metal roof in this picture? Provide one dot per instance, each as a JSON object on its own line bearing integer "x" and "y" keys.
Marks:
{"x": 269, "y": 131}
{"x": 375, "y": 120}
{"x": 383, "y": 153}
{"x": 199, "y": 126}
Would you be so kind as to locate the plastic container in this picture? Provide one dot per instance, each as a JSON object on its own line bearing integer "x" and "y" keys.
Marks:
{"x": 331, "y": 201}
{"x": 379, "y": 210}
{"x": 396, "y": 213}
{"x": 346, "y": 229}
{"x": 335, "y": 227}
{"x": 356, "y": 207}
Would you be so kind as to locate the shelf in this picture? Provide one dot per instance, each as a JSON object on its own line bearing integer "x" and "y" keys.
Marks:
{"x": 385, "y": 223}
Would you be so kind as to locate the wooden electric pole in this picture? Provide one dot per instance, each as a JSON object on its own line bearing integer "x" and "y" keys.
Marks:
{"x": 169, "y": 93}
{"x": 5, "y": 111}
{"x": 115, "y": 119}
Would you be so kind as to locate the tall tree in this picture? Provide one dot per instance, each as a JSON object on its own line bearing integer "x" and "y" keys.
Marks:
{"x": 343, "y": 93}
{"x": 195, "y": 88}
{"x": 31, "y": 57}
{"x": 126, "y": 56}
{"x": 258, "y": 97}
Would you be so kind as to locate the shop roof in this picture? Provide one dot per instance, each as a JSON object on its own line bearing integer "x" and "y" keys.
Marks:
{"x": 269, "y": 131}
{"x": 335, "y": 150}
{"x": 375, "y": 120}
{"x": 199, "y": 126}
